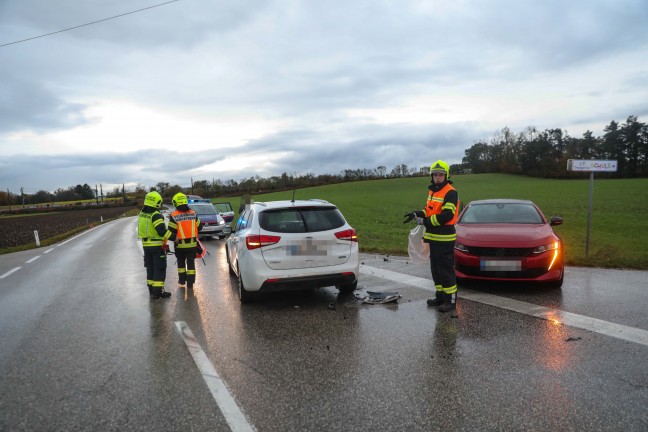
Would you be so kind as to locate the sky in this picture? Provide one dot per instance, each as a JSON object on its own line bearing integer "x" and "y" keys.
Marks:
{"x": 220, "y": 90}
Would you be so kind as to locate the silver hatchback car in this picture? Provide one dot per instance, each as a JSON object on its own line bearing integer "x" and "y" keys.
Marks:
{"x": 292, "y": 245}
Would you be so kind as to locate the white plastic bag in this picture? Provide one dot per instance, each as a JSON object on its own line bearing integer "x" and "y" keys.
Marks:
{"x": 418, "y": 250}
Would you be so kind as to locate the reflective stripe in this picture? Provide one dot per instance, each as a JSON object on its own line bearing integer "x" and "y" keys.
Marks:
{"x": 440, "y": 237}
{"x": 450, "y": 290}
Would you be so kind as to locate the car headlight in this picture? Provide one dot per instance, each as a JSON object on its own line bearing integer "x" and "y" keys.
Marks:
{"x": 548, "y": 247}
{"x": 461, "y": 247}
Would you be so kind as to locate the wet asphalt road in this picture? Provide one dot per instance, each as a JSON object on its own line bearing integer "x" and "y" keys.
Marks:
{"x": 83, "y": 348}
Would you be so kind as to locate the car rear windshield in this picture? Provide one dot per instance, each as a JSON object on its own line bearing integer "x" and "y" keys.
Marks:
{"x": 501, "y": 213}
{"x": 299, "y": 220}
{"x": 206, "y": 209}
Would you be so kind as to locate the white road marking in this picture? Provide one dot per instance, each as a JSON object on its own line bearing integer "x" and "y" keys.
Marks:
{"x": 9, "y": 272}
{"x": 234, "y": 416}
{"x": 618, "y": 331}
{"x": 49, "y": 250}
{"x": 33, "y": 259}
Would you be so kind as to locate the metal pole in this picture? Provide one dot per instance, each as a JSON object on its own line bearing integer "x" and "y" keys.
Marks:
{"x": 589, "y": 213}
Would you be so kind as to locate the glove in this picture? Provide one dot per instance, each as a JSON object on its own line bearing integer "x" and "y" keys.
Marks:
{"x": 165, "y": 248}
{"x": 410, "y": 216}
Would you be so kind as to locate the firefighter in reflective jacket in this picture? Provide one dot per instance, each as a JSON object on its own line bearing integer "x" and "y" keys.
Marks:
{"x": 154, "y": 235}
{"x": 439, "y": 217}
{"x": 183, "y": 226}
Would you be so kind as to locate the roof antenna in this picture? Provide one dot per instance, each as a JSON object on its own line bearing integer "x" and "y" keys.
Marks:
{"x": 293, "y": 199}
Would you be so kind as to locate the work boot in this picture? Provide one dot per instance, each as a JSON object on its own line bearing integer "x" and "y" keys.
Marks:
{"x": 449, "y": 302}
{"x": 160, "y": 294}
{"x": 437, "y": 300}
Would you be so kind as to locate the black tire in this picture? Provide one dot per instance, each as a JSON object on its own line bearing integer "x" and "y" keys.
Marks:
{"x": 229, "y": 264}
{"x": 557, "y": 284}
{"x": 244, "y": 295}
{"x": 347, "y": 288}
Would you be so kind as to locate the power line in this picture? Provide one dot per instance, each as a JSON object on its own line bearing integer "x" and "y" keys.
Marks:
{"x": 90, "y": 23}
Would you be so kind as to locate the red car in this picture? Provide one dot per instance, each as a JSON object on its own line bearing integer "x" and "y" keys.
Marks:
{"x": 508, "y": 240}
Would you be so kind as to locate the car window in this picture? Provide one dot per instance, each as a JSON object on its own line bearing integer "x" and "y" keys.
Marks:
{"x": 244, "y": 220}
{"x": 223, "y": 207}
{"x": 298, "y": 220}
{"x": 501, "y": 213}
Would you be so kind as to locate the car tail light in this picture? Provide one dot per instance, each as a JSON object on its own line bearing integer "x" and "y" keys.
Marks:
{"x": 349, "y": 234}
{"x": 257, "y": 241}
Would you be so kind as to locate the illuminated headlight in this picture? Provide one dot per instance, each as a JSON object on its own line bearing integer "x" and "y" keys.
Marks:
{"x": 546, "y": 248}
{"x": 461, "y": 247}
{"x": 221, "y": 222}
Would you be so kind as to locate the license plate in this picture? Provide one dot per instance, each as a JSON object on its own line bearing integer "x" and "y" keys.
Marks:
{"x": 500, "y": 265}
{"x": 208, "y": 228}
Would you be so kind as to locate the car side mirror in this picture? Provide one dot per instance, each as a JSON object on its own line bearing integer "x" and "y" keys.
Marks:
{"x": 555, "y": 220}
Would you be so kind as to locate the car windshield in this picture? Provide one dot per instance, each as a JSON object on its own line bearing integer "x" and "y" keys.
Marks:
{"x": 203, "y": 209}
{"x": 299, "y": 220}
{"x": 501, "y": 213}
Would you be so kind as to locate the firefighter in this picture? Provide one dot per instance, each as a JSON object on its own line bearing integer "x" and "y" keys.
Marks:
{"x": 154, "y": 234}
{"x": 183, "y": 226}
{"x": 439, "y": 217}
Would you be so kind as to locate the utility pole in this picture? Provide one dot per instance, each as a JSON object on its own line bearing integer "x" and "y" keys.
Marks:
{"x": 9, "y": 199}
{"x": 124, "y": 193}
{"x": 101, "y": 190}
{"x": 191, "y": 185}
{"x": 22, "y": 196}
{"x": 96, "y": 194}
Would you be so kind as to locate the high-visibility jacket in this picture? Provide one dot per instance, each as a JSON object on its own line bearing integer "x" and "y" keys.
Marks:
{"x": 151, "y": 228}
{"x": 183, "y": 226}
{"x": 441, "y": 213}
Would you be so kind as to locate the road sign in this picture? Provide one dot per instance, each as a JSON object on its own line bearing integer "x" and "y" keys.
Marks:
{"x": 592, "y": 165}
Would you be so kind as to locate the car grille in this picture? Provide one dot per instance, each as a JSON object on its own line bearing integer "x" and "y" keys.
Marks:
{"x": 500, "y": 252}
{"x": 525, "y": 274}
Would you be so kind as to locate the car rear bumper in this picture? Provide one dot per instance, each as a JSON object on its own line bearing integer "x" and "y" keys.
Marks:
{"x": 308, "y": 282}
{"x": 259, "y": 277}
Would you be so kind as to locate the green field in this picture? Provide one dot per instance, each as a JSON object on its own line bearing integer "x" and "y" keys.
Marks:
{"x": 619, "y": 223}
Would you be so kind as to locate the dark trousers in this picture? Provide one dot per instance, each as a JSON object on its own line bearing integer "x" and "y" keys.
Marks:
{"x": 442, "y": 266}
{"x": 186, "y": 265}
{"x": 156, "y": 265}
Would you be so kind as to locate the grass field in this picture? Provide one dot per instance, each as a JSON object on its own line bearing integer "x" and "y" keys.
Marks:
{"x": 619, "y": 223}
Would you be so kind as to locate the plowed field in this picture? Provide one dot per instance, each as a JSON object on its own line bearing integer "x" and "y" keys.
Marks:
{"x": 19, "y": 230}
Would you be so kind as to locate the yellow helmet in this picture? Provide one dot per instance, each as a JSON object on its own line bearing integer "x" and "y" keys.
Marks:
{"x": 440, "y": 166}
{"x": 153, "y": 199}
{"x": 179, "y": 199}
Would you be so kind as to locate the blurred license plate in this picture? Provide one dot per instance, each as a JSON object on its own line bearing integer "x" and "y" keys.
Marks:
{"x": 500, "y": 265}
{"x": 209, "y": 228}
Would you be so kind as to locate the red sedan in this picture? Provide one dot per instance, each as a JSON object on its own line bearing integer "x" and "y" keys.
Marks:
{"x": 507, "y": 239}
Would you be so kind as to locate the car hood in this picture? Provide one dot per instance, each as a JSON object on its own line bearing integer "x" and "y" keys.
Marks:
{"x": 531, "y": 235}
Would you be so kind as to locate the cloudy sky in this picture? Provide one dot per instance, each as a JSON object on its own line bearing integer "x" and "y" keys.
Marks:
{"x": 215, "y": 89}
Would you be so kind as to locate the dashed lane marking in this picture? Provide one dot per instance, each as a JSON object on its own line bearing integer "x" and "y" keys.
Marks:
{"x": 630, "y": 334}
{"x": 234, "y": 416}
{"x": 33, "y": 259}
{"x": 9, "y": 272}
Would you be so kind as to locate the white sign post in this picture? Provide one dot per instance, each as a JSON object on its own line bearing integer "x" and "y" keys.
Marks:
{"x": 591, "y": 166}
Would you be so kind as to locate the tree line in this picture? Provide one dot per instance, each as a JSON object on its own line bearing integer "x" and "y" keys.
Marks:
{"x": 530, "y": 152}
{"x": 545, "y": 154}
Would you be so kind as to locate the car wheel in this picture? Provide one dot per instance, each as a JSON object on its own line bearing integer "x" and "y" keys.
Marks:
{"x": 244, "y": 295}
{"x": 347, "y": 288}
{"x": 222, "y": 237}
{"x": 229, "y": 264}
